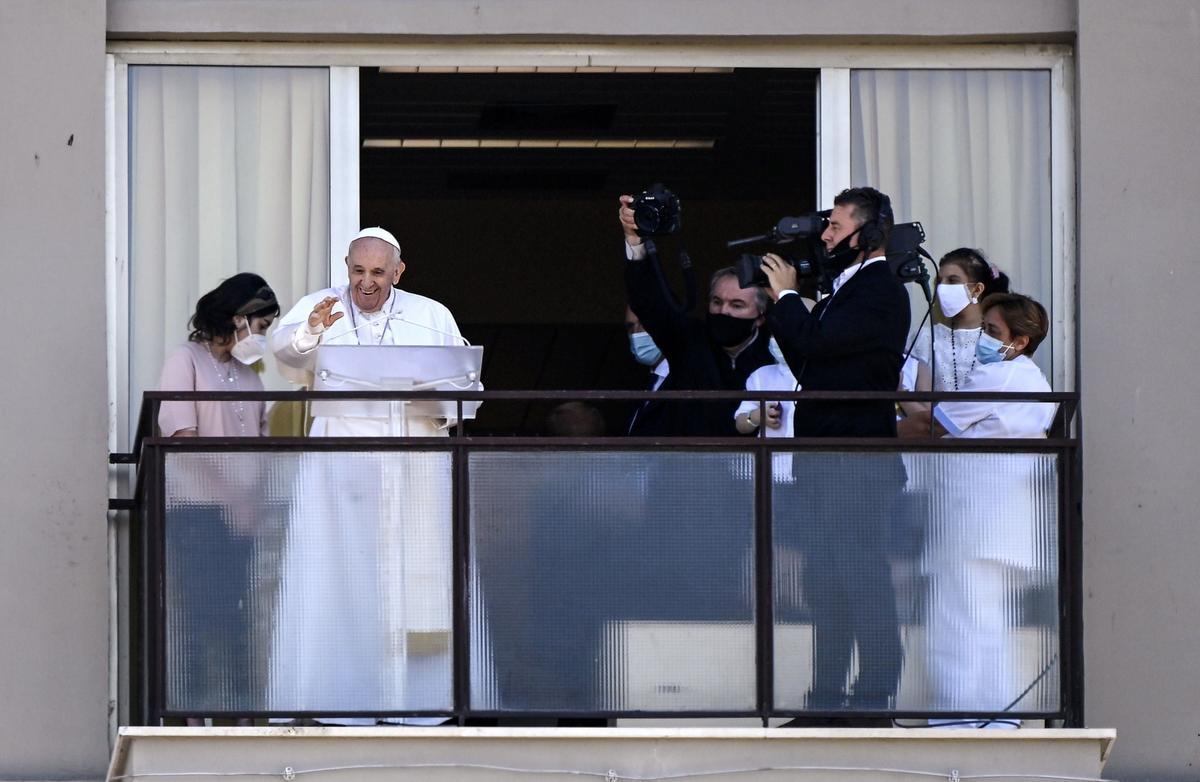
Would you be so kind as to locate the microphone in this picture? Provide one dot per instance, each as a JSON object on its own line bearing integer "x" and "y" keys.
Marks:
{"x": 350, "y": 330}
{"x": 399, "y": 316}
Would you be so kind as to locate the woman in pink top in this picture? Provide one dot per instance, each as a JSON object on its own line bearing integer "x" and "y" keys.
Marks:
{"x": 227, "y": 342}
{"x": 210, "y": 523}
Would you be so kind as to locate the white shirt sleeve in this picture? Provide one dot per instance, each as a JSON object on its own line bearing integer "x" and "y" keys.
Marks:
{"x": 753, "y": 383}
{"x": 957, "y": 417}
{"x": 293, "y": 344}
{"x": 920, "y": 346}
{"x": 908, "y": 374}
{"x": 949, "y": 424}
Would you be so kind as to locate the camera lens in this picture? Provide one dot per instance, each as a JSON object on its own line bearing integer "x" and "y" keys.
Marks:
{"x": 647, "y": 217}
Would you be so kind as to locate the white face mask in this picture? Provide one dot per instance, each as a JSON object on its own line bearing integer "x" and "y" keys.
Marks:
{"x": 953, "y": 298}
{"x": 251, "y": 349}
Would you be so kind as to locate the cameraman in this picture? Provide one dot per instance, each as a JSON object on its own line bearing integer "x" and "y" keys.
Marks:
{"x": 852, "y": 340}
{"x": 718, "y": 353}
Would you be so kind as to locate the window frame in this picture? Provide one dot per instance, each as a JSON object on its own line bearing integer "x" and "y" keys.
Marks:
{"x": 833, "y": 61}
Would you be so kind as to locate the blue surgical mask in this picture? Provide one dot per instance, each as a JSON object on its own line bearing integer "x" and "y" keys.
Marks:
{"x": 776, "y": 352}
{"x": 989, "y": 350}
{"x": 642, "y": 346}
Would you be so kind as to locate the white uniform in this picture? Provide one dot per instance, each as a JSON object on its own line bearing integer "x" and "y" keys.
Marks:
{"x": 991, "y": 516}
{"x": 953, "y": 352}
{"x": 363, "y": 617}
{"x": 775, "y": 377}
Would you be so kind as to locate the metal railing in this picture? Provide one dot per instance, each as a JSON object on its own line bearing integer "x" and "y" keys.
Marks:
{"x": 597, "y": 576}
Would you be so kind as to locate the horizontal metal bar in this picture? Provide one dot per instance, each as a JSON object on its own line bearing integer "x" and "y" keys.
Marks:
{"x": 120, "y": 503}
{"x": 616, "y": 443}
{"x": 630, "y": 714}
{"x": 532, "y": 396}
{"x": 122, "y": 458}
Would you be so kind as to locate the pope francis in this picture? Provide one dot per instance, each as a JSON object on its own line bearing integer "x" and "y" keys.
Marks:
{"x": 363, "y": 616}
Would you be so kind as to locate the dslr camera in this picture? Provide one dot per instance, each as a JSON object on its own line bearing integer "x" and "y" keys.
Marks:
{"x": 657, "y": 212}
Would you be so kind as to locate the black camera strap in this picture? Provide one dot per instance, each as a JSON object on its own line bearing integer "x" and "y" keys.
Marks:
{"x": 689, "y": 279}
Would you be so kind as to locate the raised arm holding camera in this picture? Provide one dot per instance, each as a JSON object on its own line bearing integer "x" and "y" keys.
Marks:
{"x": 717, "y": 353}
{"x": 851, "y": 340}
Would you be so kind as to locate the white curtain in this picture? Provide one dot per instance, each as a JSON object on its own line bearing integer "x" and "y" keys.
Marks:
{"x": 229, "y": 172}
{"x": 966, "y": 153}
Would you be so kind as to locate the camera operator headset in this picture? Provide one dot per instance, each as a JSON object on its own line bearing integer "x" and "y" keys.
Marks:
{"x": 851, "y": 340}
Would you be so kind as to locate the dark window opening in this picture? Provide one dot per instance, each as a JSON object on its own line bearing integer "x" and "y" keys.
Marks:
{"x": 522, "y": 243}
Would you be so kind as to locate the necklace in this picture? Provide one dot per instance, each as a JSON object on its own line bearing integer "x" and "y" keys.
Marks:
{"x": 954, "y": 357}
{"x": 229, "y": 376}
{"x": 387, "y": 325}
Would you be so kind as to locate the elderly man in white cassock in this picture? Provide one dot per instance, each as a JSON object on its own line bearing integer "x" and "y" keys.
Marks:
{"x": 363, "y": 617}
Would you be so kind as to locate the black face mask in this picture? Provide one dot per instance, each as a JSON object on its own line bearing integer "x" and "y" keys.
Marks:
{"x": 842, "y": 254}
{"x": 728, "y": 331}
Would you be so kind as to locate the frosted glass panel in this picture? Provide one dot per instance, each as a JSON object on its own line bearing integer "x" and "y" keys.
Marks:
{"x": 613, "y": 581}
{"x": 926, "y": 581}
{"x": 308, "y": 582}
{"x": 609, "y": 581}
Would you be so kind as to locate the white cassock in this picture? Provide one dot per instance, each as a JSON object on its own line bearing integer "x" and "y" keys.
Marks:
{"x": 992, "y": 532}
{"x": 363, "y": 618}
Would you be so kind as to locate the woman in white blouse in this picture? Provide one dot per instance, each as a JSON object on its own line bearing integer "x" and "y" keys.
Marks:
{"x": 965, "y": 277}
{"x": 989, "y": 524}
{"x": 210, "y": 517}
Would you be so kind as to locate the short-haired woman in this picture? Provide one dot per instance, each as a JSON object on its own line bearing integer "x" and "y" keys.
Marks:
{"x": 987, "y": 533}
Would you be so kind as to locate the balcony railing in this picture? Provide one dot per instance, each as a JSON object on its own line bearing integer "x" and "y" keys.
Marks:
{"x": 533, "y": 577}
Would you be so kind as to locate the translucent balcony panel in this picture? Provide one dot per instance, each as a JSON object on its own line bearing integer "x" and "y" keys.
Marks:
{"x": 308, "y": 582}
{"x": 922, "y": 581}
{"x": 612, "y": 581}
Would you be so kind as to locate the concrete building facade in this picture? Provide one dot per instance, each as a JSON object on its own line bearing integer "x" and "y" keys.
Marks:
{"x": 1135, "y": 192}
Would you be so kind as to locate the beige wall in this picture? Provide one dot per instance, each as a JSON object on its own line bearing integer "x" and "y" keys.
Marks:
{"x": 992, "y": 20}
{"x": 53, "y": 412}
{"x": 1139, "y": 117}
{"x": 1139, "y": 194}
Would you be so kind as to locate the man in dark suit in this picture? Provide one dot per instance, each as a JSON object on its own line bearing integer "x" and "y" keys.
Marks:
{"x": 717, "y": 353}
{"x": 690, "y": 562}
{"x": 852, "y": 340}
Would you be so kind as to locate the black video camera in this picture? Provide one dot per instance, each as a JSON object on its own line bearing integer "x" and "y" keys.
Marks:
{"x": 904, "y": 252}
{"x": 657, "y": 212}
{"x": 805, "y": 230}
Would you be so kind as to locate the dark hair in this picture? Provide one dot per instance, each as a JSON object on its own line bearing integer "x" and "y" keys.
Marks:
{"x": 874, "y": 209}
{"x": 1023, "y": 316}
{"x": 978, "y": 269}
{"x": 242, "y": 294}
{"x": 575, "y": 419}
{"x": 760, "y": 293}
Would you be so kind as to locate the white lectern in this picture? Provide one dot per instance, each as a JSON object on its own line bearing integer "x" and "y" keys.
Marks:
{"x": 396, "y": 368}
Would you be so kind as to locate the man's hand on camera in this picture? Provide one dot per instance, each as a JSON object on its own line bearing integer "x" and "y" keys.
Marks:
{"x": 628, "y": 225}
{"x": 780, "y": 274}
